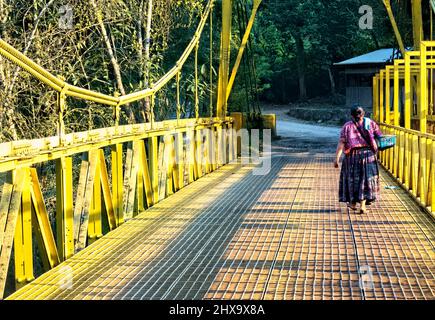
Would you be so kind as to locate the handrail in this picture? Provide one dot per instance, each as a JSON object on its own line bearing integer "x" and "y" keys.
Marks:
{"x": 412, "y": 160}
{"x": 410, "y": 131}
{"x": 22, "y": 153}
{"x": 57, "y": 84}
{"x": 412, "y": 163}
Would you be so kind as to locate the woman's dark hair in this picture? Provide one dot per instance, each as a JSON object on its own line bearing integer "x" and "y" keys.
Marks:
{"x": 357, "y": 112}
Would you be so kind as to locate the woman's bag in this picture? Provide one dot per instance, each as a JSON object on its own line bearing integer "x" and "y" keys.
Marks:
{"x": 385, "y": 142}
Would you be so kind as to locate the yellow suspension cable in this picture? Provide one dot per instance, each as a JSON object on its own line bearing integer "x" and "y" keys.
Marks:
{"x": 196, "y": 82}
{"x": 178, "y": 96}
{"x": 431, "y": 96}
{"x": 153, "y": 101}
{"x": 211, "y": 63}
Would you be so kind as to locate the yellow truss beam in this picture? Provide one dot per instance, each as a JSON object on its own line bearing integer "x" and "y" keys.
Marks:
{"x": 224, "y": 58}
{"x": 10, "y": 205}
{"x": 387, "y": 4}
{"x": 417, "y": 23}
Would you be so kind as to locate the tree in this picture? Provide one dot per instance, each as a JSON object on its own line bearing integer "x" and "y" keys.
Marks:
{"x": 105, "y": 50}
{"x": 296, "y": 19}
{"x": 297, "y": 43}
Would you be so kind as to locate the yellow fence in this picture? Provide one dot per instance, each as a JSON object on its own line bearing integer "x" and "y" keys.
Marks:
{"x": 123, "y": 171}
{"x": 403, "y": 103}
{"x": 404, "y": 92}
{"x": 412, "y": 162}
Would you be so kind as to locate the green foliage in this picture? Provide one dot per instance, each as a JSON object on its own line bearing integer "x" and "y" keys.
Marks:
{"x": 330, "y": 33}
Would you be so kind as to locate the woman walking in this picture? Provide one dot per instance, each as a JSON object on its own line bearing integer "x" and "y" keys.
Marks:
{"x": 359, "y": 176}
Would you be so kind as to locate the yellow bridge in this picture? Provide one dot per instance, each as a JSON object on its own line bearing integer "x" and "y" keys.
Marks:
{"x": 178, "y": 210}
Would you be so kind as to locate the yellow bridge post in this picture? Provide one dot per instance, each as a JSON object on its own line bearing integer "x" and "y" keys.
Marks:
{"x": 41, "y": 225}
{"x": 422, "y": 171}
{"x": 399, "y": 39}
{"x": 423, "y": 92}
{"x": 417, "y": 23}
{"x": 199, "y": 153}
{"x": 375, "y": 99}
{"x": 191, "y": 155}
{"x": 95, "y": 224}
{"x": 64, "y": 208}
{"x": 243, "y": 44}
{"x": 381, "y": 95}
{"x": 408, "y": 93}
{"x": 396, "y": 120}
{"x": 401, "y": 156}
{"x": 178, "y": 95}
{"x": 180, "y": 159}
{"x": 170, "y": 161}
{"x": 117, "y": 183}
{"x": 23, "y": 244}
{"x": 387, "y": 94}
{"x": 154, "y": 165}
{"x": 211, "y": 63}
{"x": 224, "y": 58}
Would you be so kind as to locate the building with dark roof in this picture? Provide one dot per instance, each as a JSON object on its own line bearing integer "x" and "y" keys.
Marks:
{"x": 356, "y": 75}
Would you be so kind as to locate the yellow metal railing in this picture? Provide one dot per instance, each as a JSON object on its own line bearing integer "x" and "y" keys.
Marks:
{"x": 122, "y": 172}
{"x": 412, "y": 163}
{"x": 411, "y": 79}
{"x": 124, "y": 169}
{"x": 408, "y": 113}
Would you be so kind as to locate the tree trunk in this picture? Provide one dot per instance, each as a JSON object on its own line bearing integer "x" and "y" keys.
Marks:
{"x": 4, "y": 17}
{"x": 32, "y": 37}
{"x": 300, "y": 59}
{"x": 147, "y": 58}
{"x": 110, "y": 51}
{"x": 375, "y": 40}
{"x": 5, "y": 125}
{"x": 139, "y": 33}
{"x": 140, "y": 54}
{"x": 332, "y": 81}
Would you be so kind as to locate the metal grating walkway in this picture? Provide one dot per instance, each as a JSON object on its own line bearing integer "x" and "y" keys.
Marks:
{"x": 234, "y": 235}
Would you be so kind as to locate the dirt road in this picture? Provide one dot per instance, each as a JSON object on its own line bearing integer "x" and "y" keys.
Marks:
{"x": 299, "y": 135}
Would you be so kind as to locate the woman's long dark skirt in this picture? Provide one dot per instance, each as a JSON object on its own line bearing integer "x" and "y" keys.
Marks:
{"x": 359, "y": 177}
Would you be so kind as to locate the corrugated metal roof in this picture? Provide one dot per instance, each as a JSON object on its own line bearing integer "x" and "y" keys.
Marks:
{"x": 378, "y": 56}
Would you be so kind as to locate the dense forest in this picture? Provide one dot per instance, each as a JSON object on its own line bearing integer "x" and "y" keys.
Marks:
{"x": 297, "y": 43}
{"x": 124, "y": 46}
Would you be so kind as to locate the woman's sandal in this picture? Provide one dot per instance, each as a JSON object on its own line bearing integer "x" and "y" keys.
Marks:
{"x": 363, "y": 211}
{"x": 351, "y": 207}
